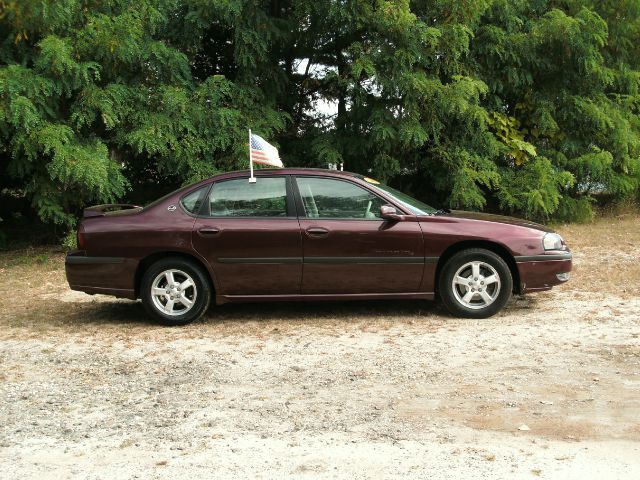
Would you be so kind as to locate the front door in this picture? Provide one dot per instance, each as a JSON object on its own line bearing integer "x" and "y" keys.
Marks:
{"x": 250, "y": 235}
{"x": 348, "y": 248}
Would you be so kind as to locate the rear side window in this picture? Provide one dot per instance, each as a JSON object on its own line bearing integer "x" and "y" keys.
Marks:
{"x": 239, "y": 198}
{"x": 193, "y": 201}
{"x": 329, "y": 198}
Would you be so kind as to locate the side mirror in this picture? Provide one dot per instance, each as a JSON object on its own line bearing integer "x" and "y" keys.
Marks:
{"x": 389, "y": 212}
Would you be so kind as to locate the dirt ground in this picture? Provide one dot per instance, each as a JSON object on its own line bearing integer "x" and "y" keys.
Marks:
{"x": 550, "y": 388}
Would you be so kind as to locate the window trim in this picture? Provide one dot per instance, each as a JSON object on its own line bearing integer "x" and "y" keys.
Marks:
{"x": 303, "y": 214}
{"x": 290, "y": 206}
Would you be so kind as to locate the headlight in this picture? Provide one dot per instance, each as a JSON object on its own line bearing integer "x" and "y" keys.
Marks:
{"x": 552, "y": 241}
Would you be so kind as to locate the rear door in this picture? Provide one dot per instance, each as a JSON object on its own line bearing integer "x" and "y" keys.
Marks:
{"x": 250, "y": 235}
{"x": 348, "y": 248}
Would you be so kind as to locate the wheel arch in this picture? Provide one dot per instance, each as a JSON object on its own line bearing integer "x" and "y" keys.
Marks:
{"x": 500, "y": 250}
{"x": 149, "y": 260}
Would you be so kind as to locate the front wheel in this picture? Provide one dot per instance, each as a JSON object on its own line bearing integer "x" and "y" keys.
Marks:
{"x": 175, "y": 291}
{"x": 475, "y": 283}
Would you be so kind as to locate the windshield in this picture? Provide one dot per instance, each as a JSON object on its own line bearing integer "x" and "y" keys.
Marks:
{"x": 414, "y": 206}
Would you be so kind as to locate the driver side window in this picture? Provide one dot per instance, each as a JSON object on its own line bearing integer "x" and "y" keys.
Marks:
{"x": 332, "y": 198}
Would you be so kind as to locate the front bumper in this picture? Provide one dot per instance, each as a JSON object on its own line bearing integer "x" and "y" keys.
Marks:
{"x": 106, "y": 275}
{"x": 542, "y": 272}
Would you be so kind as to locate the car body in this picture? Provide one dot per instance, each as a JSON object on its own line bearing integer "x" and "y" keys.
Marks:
{"x": 307, "y": 234}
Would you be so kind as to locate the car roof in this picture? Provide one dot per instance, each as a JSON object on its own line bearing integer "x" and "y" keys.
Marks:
{"x": 280, "y": 171}
{"x": 290, "y": 171}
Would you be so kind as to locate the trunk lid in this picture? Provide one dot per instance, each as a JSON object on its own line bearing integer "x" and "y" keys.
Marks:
{"x": 110, "y": 209}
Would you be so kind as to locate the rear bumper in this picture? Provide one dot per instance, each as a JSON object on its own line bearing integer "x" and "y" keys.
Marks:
{"x": 542, "y": 272}
{"x": 106, "y": 275}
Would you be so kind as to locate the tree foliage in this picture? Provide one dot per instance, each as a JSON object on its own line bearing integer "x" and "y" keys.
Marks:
{"x": 524, "y": 106}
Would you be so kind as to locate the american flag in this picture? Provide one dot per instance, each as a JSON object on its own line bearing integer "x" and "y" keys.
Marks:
{"x": 264, "y": 153}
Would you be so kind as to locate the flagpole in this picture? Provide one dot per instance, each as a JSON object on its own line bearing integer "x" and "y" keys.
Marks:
{"x": 252, "y": 179}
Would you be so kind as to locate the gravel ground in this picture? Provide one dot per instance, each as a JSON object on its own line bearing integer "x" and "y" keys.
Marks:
{"x": 548, "y": 389}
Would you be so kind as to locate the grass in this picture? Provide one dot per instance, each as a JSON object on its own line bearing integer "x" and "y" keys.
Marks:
{"x": 606, "y": 254}
{"x": 32, "y": 256}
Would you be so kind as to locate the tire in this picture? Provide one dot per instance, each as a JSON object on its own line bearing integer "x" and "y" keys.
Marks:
{"x": 475, "y": 296}
{"x": 180, "y": 303}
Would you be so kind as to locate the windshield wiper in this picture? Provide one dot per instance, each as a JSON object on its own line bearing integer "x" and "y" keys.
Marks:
{"x": 442, "y": 211}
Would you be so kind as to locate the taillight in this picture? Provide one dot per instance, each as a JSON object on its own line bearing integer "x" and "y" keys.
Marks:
{"x": 80, "y": 237}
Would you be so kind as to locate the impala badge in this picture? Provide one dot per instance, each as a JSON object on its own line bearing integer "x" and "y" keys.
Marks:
{"x": 171, "y": 208}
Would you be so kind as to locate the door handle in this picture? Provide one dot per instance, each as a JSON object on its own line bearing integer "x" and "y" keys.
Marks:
{"x": 208, "y": 231}
{"x": 317, "y": 232}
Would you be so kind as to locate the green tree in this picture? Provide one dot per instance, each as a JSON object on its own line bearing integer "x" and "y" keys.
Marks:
{"x": 98, "y": 95}
{"x": 558, "y": 73}
{"x": 524, "y": 106}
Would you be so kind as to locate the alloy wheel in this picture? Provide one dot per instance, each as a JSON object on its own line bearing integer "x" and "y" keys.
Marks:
{"x": 476, "y": 285}
{"x": 173, "y": 292}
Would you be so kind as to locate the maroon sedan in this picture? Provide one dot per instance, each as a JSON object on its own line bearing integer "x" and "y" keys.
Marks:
{"x": 304, "y": 234}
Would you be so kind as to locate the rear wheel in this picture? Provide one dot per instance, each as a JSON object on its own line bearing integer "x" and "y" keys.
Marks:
{"x": 475, "y": 283}
{"x": 175, "y": 291}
